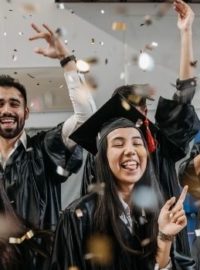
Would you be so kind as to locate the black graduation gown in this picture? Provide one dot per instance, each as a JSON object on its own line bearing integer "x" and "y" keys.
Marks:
{"x": 32, "y": 179}
{"x": 187, "y": 167}
{"x": 177, "y": 125}
{"x": 71, "y": 236}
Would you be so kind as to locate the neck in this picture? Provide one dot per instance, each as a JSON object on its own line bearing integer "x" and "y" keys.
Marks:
{"x": 6, "y": 145}
{"x": 125, "y": 193}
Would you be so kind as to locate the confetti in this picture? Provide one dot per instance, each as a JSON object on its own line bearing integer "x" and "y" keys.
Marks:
{"x": 147, "y": 21}
{"x": 30, "y": 8}
{"x": 194, "y": 63}
{"x": 79, "y": 213}
{"x": 163, "y": 9}
{"x": 98, "y": 188}
{"x": 82, "y": 66}
{"x": 119, "y": 26}
{"x": 125, "y": 105}
{"x": 92, "y": 60}
{"x": 99, "y": 249}
{"x": 61, "y": 32}
{"x": 145, "y": 242}
{"x": 145, "y": 197}
{"x": 145, "y": 62}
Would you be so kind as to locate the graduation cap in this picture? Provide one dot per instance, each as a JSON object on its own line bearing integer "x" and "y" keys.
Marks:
{"x": 116, "y": 107}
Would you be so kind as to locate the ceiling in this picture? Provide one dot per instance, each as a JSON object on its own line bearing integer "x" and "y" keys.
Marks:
{"x": 88, "y": 29}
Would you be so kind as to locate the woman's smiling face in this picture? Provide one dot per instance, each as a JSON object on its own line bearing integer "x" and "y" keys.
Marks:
{"x": 127, "y": 155}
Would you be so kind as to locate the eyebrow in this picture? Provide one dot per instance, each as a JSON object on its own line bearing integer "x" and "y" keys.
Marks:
{"x": 122, "y": 138}
{"x": 11, "y": 99}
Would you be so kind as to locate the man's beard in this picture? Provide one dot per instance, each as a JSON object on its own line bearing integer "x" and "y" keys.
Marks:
{"x": 10, "y": 133}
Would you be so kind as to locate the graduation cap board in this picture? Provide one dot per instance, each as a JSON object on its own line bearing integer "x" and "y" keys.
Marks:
{"x": 116, "y": 107}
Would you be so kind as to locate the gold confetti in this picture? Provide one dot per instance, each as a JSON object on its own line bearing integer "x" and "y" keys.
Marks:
{"x": 73, "y": 268}
{"x": 30, "y": 8}
{"x": 99, "y": 248}
{"x": 126, "y": 105}
{"x": 119, "y": 26}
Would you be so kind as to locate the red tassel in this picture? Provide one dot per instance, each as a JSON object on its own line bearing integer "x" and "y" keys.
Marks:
{"x": 149, "y": 137}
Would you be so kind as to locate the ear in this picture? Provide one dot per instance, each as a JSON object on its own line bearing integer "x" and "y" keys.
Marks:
{"x": 26, "y": 113}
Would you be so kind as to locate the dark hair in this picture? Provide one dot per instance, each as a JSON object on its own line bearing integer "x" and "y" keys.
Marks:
{"x": 7, "y": 81}
{"x": 109, "y": 206}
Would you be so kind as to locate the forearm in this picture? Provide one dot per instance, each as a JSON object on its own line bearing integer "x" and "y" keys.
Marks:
{"x": 82, "y": 102}
{"x": 186, "y": 57}
{"x": 163, "y": 255}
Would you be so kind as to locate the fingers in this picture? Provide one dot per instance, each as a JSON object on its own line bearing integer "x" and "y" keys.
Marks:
{"x": 36, "y": 28}
{"x": 183, "y": 195}
{"x": 40, "y": 33}
{"x": 169, "y": 203}
{"x": 48, "y": 29}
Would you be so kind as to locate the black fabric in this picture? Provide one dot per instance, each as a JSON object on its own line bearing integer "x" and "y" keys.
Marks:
{"x": 72, "y": 234}
{"x": 115, "y": 107}
{"x": 176, "y": 128}
{"x": 187, "y": 173}
{"x": 31, "y": 177}
{"x": 71, "y": 237}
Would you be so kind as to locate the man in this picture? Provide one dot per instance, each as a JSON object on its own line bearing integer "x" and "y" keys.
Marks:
{"x": 176, "y": 119}
{"x": 189, "y": 173}
{"x": 32, "y": 169}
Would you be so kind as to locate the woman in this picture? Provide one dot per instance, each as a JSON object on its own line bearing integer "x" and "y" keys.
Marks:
{"x": 113, "y": 228}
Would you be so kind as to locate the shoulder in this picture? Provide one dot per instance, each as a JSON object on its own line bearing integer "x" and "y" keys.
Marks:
{"x": 82, "y": 207}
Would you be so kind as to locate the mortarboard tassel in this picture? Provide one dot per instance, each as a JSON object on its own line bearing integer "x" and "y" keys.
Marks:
{"x": 149, "y": 137}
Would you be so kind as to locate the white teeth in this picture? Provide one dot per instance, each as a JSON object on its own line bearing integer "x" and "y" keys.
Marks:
{"x": 131, "y": 165}
{"x": 7, "y": 120}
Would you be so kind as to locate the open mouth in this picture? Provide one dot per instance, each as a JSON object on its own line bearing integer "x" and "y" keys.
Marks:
{"x": 130, "y": 165}
{"x": 7, "y": 121}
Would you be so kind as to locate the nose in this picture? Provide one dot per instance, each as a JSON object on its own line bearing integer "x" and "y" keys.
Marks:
{"x": 130, "y": 150}
{"x": 5, "y": 108}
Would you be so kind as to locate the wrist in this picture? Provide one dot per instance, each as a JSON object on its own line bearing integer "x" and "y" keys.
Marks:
{"x": 64, "y": 61}
{"x": 165, "y": 237}
{"x": 187, "y": 31}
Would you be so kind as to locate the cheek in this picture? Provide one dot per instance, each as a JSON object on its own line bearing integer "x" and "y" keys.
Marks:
{"x": 142, "y": 154}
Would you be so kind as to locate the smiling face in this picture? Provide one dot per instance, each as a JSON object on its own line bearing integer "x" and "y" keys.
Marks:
{"x": 13, "y": 112}
{"x": 127, "y": 156}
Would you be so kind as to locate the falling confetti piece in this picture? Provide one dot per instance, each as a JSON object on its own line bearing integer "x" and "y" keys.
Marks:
{"x": 61, "y": 32}
{"x": 147, "y": 21}
{"x": 119, "y": 26}
{"x": 194, "y": 63}
{"x": 92, "y": 60}
{"x": 126, "y": 105}
{"x": 99, "y": 248}
{"x": 30, "y": 8}
{"x": 163, "y": 9}
{"x": 14, "y": 57}
{"x": 79, "y": 213}
{"x": 73, "y": 268}
{"x": 82, "y": 66}
{"x": 97, "y": 188}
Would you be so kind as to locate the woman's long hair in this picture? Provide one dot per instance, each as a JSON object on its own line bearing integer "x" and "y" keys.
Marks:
{"x": 109, "y": 207}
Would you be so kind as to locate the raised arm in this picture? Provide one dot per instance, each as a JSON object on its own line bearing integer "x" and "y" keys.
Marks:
{"x": 185, "y": 21}
{"x": 81, "y": 98}
{"x": 186, "y": 84}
